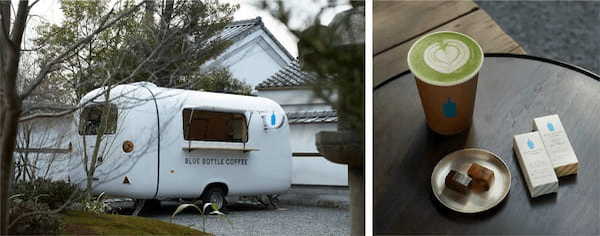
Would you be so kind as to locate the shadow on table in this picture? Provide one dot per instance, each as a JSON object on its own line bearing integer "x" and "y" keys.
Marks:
{"x": 467, "y": 218}
{"x": 448, "y": 143}
{"x": 428, "y": 148}
{"x": 567, "y": 180}
{"x": 413, "y": 173}
{"x": 552, "y": 197}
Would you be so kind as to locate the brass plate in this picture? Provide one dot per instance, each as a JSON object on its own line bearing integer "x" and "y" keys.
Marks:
{"x": 471, "y": 202}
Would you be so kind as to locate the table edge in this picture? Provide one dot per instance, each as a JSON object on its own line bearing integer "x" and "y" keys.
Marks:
{"x": 512, "y": 55}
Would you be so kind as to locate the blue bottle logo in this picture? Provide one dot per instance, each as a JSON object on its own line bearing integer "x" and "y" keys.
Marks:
{"x": 273, "y": 119}
{"x": 550, "y": 126}
{"x": 449, "y": 109}
{"x": 530, "y": 144}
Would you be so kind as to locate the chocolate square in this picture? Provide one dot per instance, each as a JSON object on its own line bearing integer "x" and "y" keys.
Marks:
{"x": 458, "y": 181}
{"x": 482, "y": 177}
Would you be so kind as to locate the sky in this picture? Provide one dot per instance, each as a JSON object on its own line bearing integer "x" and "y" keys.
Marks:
{"x": 302, "y": 12}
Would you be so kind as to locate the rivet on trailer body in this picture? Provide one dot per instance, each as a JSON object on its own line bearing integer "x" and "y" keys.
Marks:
{"x": 126, "y": 180}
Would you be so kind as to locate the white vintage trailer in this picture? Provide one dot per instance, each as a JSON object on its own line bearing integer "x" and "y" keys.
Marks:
{"x": 171, "y": 143}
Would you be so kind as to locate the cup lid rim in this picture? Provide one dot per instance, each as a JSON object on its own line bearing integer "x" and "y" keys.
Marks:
{"x": 460, "y": 81}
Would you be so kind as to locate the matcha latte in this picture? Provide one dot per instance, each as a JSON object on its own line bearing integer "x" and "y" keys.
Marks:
{"x": 446, "y": 67}
{"x": 445, "y": 58}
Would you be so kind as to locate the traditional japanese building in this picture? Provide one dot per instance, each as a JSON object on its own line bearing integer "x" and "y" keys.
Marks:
{"x": 307, "y": 116}
{"x": 260, "y": 60}
{"x": 254, "y": 55}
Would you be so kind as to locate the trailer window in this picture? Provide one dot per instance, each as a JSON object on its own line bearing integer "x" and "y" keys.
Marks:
{"x": 92, "y": 116}
{"x": 201, "y": 125}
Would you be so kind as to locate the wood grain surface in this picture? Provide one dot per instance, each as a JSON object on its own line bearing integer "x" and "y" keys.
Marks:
{"x": 397, "y": 21}
{"x": 511, "y": 92}
{"x": 397, "y": 25}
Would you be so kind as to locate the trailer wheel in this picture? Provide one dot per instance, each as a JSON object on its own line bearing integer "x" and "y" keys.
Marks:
{"x": 215, "y": 195}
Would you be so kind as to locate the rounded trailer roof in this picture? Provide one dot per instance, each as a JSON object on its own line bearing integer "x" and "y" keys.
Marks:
{"x": 140, "y": 92}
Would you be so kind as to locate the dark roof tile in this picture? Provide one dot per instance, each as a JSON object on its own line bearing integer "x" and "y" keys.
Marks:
{"x": 304, "y": 117}
{"x": 288, "y": 77}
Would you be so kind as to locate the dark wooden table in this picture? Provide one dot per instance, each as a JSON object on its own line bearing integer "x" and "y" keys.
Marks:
{"x": 512, "y": 90}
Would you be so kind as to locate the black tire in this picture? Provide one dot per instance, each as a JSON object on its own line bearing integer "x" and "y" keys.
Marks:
{"x": 274, "y": 200}
{"x": 214, "y": 195}
{"x": 153, "y": 204}
{"x": 146, "y": 206}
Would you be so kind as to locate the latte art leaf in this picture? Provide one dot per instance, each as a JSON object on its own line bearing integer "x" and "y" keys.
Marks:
{"x": 446, "y": 56}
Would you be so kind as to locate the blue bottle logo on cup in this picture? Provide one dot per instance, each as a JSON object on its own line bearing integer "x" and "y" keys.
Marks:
{"x": 449, "y": 108}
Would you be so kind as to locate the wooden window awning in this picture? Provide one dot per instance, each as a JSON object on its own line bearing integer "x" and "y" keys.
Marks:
{"x": 307, "y": 154}
{"x": 241, "y": 149}
{"x": 45, "y": 150}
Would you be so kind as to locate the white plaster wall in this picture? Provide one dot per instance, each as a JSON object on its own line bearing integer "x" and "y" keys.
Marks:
{"x": 314, "y": 170}
{"x": 50, "y": 133}
{"x": 253, "y": 65}
{"x": 303, "y": 135}
{"x": 318, "y": 171}
{"x": 252, "y": 59}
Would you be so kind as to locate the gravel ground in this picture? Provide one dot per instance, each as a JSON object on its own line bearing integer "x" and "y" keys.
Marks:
{"x": 567, "y": 30}
{"x": 250, "y": 220}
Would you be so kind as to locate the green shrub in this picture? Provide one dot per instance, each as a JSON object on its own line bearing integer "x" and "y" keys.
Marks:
{"x": 32, "y": 224}
{"x": 96, "y": 206}
{"x": 52, "y": 193}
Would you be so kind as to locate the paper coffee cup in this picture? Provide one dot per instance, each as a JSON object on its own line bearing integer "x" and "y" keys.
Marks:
{"x": 446, "y": 68}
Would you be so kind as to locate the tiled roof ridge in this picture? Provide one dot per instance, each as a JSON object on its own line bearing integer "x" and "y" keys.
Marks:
{"x": 248, "y": 26}
{"x": 314, "y": 116}
{"x": 312, "y": 113}
{"x": 290, "y": 76}
{"x": 252, "y": 21}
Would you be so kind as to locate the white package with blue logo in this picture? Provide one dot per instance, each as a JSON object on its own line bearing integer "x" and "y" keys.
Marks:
{"x": 557, "y": 144}
{"x": 535, "y": 164}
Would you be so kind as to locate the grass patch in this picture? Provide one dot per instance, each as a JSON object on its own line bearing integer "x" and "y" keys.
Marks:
{"x": 81, "y": 223}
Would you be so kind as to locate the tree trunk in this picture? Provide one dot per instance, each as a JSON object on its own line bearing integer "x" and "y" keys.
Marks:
{"x": 7, "y": 143}
{"x": 164, "y": 32}
{"x": 149, "y": 12}
{"x": 10, "y": 46}
{"x": 11, "y": 113}
{"x": 167, "y": 14}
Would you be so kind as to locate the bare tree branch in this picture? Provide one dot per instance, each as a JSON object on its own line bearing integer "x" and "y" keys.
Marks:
{"x": 5, "y": 25}
{"x": 33, "y": 4}
{"x": 31, "y": 49}
{"x": 61, "y": 57}
{"x": 63, "y": 113}
{"x": 16, "y": 34}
